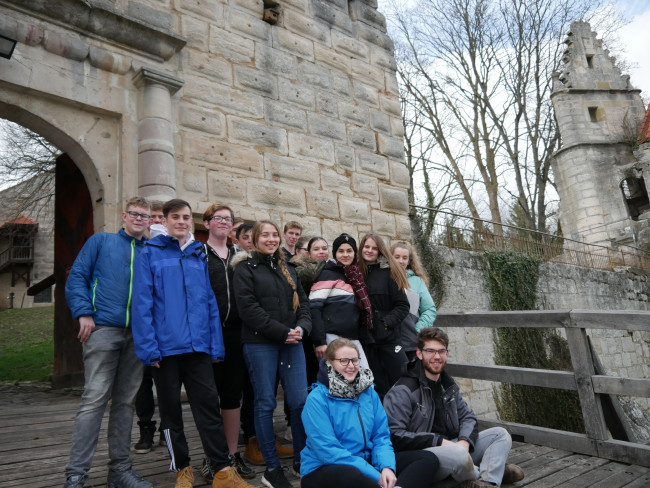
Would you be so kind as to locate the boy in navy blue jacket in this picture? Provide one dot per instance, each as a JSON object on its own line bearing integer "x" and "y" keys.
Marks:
{"x": 176, "y": 329}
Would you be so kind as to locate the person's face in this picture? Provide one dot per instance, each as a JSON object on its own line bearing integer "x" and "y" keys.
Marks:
{"x": 350, "y": 371}
{"x": 233, "y": 233}
{"x": 402, "y": 257}
{"x": 345, "y": 254}
{"x": 319, "y": 250}
{"x": 302, "y": 251}
{"x": 434, "y": 356}
{"x": 135, "y": 226}
{"x": 246, "y": 240}
{"x": 156, "y": 217}
{"x": 221, "y": 229}
{"x": 179, "y": 223}
{"x": 291, "y": 236}
{"x": 269, "y": 239}
{"x": 370, "y": 251}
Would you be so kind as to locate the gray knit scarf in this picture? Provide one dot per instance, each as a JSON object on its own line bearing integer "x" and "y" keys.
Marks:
{"x": 342, "y": 388}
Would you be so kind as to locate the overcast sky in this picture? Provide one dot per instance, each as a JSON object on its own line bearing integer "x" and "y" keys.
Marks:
{"x": 635, "y": 36}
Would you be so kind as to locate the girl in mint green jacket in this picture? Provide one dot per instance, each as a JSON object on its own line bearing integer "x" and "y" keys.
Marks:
{"x": 418, "y": 280}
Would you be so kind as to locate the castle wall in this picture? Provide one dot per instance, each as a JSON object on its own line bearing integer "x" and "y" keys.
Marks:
{"x": 560, "y": 287}
{"x": 207, "y": 102}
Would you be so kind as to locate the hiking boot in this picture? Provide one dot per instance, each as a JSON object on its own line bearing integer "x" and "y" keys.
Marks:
{"x": 238, "y": 463}
{"x": 284, "y": 452}
{"x": 145, "y": 444}
{"x": 275, "y": 479}
{"x": 207, "y": 470}
{"x": 185, "y": 478}
{"x": 252, "y": 452}
{"x": 75, "y": 481}
{"x": 512, "y": 474}
{"x": 126, "y": 479}
{"x": 228, "y": 478}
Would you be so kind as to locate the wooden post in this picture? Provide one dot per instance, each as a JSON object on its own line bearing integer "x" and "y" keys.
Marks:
{"x": 583, "y": 368}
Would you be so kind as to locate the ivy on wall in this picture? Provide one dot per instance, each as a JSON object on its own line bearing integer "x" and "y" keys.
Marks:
{"x": 512, "y": 284}
{"x": 430, "y": 258}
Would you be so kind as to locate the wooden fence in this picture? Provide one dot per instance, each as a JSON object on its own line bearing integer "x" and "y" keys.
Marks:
{"x": 591, "y": 387}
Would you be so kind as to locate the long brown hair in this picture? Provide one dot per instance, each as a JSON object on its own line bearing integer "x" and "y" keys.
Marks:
{"x": 396, "y": 271}
{"x": 414, "y": 260}
{"x": 282, "y": 262}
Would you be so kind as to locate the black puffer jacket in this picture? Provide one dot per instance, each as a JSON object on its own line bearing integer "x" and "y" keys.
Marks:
{"x": 390, "y": 306}
{"x": 265, "y": 299}
{"x": 411, "y": 410}
{"x": 333, "y": 306}
{"x": 221, "y": 281}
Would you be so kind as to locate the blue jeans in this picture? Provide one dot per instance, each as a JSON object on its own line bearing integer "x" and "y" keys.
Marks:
{"x": 265, "y": 362}
{"x": 487, "y": 462}
{"x": 112, "y": 371}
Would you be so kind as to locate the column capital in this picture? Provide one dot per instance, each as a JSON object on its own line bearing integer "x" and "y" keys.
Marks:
{"x": 145, "y": 76}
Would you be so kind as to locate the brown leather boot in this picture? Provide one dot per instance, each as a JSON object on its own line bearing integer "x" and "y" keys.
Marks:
{"x": 252, "y": 452}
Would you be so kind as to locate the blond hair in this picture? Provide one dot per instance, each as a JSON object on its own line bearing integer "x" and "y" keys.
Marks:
{"x": 282, "y": 262}
{"x": 414, "y": 260}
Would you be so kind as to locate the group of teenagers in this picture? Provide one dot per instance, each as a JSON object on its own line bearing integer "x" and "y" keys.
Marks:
{"x": 336, "y": 331}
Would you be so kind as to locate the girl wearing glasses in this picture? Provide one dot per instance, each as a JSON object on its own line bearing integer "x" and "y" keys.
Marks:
{"x": 386, "y": 284}
{"x": 275, "y": 316}
{"x": 348, "y": 440}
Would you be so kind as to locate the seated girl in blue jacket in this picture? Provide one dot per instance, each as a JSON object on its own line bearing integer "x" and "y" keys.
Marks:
{"x": 348, "y": 440}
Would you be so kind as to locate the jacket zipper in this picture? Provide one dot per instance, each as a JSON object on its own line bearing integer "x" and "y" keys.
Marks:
{"x": 363, "y": 430}
{"x": 94, "y": 293}
{"x": 128, "y": 303}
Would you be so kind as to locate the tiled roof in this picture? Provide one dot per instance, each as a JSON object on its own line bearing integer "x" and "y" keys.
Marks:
{"x": 644, "y": 131}
{"x": 21, "y": 220}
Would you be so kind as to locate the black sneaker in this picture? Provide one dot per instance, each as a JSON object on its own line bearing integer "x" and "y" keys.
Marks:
{"x": 275, "y": 479}
{"x": 207, "y": 471}
{"x": 238, "y": 463}
{"x": 296, "y": 469}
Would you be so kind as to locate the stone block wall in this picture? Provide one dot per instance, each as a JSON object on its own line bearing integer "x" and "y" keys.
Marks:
{"x": 560, "y": 287}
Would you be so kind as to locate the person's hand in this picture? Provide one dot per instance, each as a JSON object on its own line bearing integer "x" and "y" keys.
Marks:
{"x": 86, "y": 326}
{"x": 294, "y": 336}
{"x": 320, "y": 351}
{"x": 464, "y": 443}
{"x": 156, "y": 365}
{"x": 387, "y": 478}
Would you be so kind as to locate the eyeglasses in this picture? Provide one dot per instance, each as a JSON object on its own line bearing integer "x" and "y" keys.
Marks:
{"x": 135, "y": 215}
{"x": 302, "y": 248}
{"x": 346, "y": 361}
{"x": 219, "y": 218}
{"x": 434, "y": 352}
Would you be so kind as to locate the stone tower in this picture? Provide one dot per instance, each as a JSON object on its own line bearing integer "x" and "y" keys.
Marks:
{"x": 602, "y": 187}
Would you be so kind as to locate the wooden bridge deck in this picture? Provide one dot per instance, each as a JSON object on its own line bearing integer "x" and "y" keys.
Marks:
{"x": 35, "y": 430}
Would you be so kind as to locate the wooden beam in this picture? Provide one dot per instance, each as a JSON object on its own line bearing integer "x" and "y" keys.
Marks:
{"x": 611, "y": 319}
{"x": 627, "y": 452}
{"x": 520, "y": 376}
{"x": 583, "y": 367}
{"x": 615, "y": 385}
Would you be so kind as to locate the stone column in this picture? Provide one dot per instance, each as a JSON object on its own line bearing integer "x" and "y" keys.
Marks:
{"x": 156, "y": 165}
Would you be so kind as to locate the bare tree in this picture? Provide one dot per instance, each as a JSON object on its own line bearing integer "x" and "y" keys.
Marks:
{"x": 477, "y": 74}
{"x": 27, "y": 164}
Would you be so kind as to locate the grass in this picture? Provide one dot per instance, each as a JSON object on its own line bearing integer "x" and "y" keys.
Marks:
{"x": 27, "y": 344}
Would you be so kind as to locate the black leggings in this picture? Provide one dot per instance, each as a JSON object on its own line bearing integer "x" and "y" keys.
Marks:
{"x": 415, "y": 469}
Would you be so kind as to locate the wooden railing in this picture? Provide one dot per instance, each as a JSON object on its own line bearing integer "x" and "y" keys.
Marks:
{"x": 16, "y": 254}
{"x": 583, "y": 379}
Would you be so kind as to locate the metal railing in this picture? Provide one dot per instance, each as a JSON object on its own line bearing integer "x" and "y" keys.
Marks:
{"x": 480, "y": 235}
{"x": 584, "y": 379}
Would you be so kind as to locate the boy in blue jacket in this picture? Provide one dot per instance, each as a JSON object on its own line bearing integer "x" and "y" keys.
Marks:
{"x": 98, "y": 292}
{"x": 176, "y": 329}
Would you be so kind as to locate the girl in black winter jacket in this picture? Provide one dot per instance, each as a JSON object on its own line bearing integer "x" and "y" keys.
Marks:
{"x": 275, "y": 316}
{"x": 386, "y": 283}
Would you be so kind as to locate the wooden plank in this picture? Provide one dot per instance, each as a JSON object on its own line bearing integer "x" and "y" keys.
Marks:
{"x": 622, "y": 478}
{"x": 611, "y": 319}
{"x": 520, "y": 376}
{"x": 615, "y": 385}
{"x": 641, "y": 482}
{"x": 557, "y": 439}
{"x": 590, "y": 477}
{"x": 528, "y": 452}
{"x": 575, "y": 466}
{"x": 537, "y": 474}
{"x": 628, "y": 452}
{"x": 546, "y": 319}
{"x": 583, "y": 368}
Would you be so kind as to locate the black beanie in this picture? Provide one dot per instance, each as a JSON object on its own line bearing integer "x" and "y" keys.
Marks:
{"x": 344, "y": 239}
